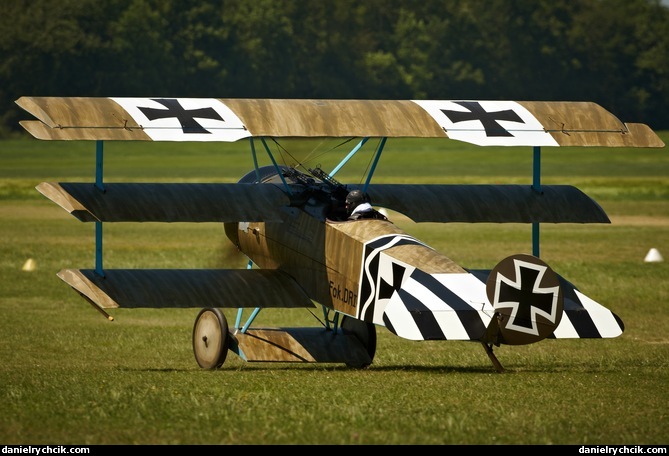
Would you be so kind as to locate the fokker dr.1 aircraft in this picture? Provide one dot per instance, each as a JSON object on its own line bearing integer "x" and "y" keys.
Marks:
{"x": 284, "y": 218}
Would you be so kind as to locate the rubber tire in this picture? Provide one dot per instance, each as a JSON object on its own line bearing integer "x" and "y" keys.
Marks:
{"x": 211, "y": 338}
{"x": 366, "y": 334}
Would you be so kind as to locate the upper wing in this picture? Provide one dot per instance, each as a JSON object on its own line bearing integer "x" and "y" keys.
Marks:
{"x": 494, "y": 123}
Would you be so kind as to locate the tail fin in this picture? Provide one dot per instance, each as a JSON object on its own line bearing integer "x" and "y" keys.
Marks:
{"x": 528, "y": 301}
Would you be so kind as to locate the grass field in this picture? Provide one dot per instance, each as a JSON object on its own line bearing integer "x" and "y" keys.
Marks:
{"x": 69, "y": 376}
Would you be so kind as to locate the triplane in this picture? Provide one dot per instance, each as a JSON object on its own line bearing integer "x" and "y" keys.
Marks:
{"x": 302, "y": 250}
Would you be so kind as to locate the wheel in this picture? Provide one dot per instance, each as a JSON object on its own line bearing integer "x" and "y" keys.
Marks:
{"x": 210, "y": 338}
{"x": 366, "y": 334}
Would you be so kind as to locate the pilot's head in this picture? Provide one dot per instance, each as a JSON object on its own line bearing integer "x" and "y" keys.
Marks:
{"x": 354, "y": 199}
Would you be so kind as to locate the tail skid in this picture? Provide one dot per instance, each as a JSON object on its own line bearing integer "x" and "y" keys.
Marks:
{"x": 495, "y": 362}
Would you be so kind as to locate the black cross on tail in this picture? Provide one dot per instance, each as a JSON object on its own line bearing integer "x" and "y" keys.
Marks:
{"x": 524, "y": 293}
{"x": 488, "y": 119}
{"x": 527, "y": 298}
{"x": 186, "y": 117}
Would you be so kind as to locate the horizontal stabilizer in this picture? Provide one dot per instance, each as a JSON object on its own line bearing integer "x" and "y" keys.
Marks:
{"x": 129, "y": 202}
{"x": 582, "y": 317}
{"x": 186, "y": 288}
{"x": 488, "y": 203}
{"x": 454, "y": 307}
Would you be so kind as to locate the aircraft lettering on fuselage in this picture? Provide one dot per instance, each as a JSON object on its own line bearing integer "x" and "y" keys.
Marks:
{"x": 346, "y": 296}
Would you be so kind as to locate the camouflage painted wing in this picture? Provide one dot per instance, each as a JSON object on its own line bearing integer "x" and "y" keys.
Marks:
{"x": 486, "y": 123}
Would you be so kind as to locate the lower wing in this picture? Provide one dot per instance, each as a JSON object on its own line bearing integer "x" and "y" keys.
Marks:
{"x": 184, "y": 288}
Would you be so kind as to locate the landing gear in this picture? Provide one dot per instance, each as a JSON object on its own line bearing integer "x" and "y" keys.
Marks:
{"x": 365, "y": 332}
{"x": 210, "y": 338}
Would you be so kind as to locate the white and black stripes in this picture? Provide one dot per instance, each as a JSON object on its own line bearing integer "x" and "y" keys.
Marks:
{"x": 380, "y": 277}
{"x": 453, "y": 306}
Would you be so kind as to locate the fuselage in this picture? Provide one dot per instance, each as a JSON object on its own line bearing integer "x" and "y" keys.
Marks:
{"x": 353, "y": 267}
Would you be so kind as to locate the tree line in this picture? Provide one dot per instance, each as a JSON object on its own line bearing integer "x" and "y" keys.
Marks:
{"x": 613, "y": 52}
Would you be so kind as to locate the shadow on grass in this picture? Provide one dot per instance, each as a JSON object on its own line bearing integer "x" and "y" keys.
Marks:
{"x": 329, "y": 368}
{"x": 508, "y": 370}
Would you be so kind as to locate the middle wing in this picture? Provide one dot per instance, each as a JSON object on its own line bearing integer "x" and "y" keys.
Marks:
{"x": 489, "y": 203}
{"x": 158, "y": 202}
{"x": 129, "y": 202}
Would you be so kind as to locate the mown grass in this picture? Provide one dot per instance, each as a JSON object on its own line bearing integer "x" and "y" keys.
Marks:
{"x": 68, "y": 376}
